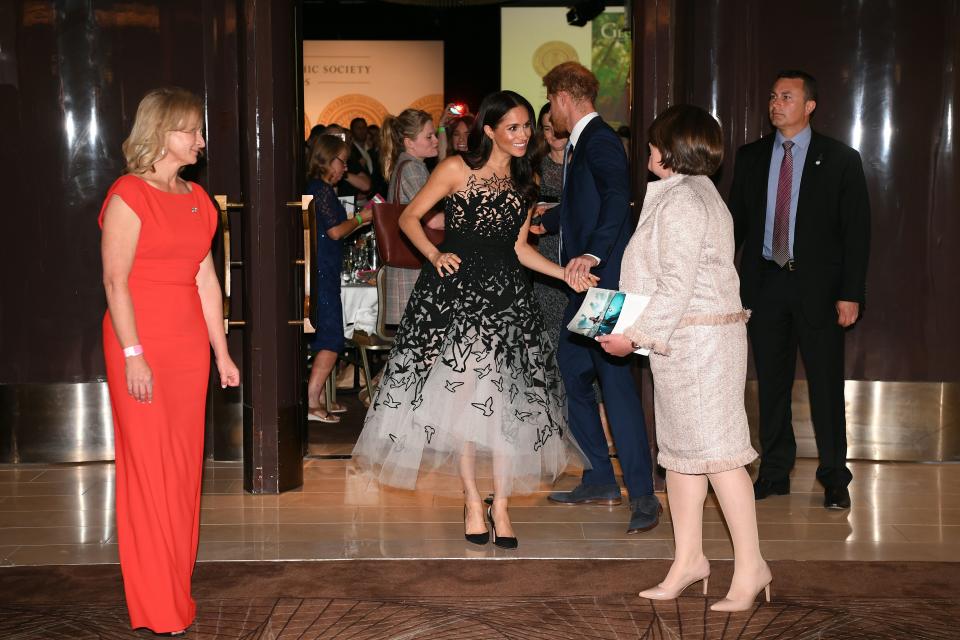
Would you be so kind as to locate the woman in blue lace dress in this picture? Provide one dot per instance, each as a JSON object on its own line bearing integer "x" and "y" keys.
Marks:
{"x": 328, "y": 161}
{"x": 471, "y": 385}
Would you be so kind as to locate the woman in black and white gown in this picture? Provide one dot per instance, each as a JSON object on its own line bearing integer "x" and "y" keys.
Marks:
{"x": 471, "y": 385}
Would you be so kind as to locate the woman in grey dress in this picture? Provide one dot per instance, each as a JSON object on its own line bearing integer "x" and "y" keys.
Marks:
{"x": 406, "y": 140}
{"x": 681, "y": 255}
{"x": 551, "y": 293}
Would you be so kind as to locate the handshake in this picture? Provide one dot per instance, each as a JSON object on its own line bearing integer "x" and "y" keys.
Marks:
{"x": 577, "y": 273}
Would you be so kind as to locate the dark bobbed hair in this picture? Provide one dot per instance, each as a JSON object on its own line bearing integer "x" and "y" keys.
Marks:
{"x": 322, "y": 153}
{"x": 492, "y": 110}
{"x": 689, "y": 139}
{"x": 810, "y": 91}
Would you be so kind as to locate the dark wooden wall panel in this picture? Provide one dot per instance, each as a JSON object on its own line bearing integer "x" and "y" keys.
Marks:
{"x": 888, "y": 86}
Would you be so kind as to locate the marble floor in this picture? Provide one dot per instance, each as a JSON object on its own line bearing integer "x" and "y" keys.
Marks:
{"x": 64, "y": 514}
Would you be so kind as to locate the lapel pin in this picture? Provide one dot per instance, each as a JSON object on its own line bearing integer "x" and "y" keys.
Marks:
{"x": 819, "y": 160}
{"x": 194, "y": 209}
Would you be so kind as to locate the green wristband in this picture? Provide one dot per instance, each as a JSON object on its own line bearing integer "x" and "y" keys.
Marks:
{"x": 358, "y": 219}
{"x": 441, "y": 129}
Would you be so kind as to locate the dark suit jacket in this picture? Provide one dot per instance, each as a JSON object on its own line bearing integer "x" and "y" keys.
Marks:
{"x": 594, "y": 211}
{"x": 832, "y": 234}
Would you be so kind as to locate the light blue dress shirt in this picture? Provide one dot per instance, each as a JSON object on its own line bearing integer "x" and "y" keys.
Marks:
{"x": 801, "y": 143}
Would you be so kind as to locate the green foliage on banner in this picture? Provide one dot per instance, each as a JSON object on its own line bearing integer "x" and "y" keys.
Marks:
{"x": 611, "y": 65}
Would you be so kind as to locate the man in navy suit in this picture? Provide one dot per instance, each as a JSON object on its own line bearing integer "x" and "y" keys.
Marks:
{"x": 802, "y": 215}
{"x": 594, "y": 223}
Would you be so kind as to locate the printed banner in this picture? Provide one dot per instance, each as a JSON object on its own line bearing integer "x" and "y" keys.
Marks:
{"x": 345, "y": 79}
{"x": 535, "y": 40}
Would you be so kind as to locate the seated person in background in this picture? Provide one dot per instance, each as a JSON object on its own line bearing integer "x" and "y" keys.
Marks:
{"x": 315, "y": 132}
{"x": 363, "y": 154}
{"x": 453, "y": 132}
{"x": 328, "y": 162}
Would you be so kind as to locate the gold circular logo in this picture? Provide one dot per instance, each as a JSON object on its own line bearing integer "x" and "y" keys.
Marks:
{"x": 550, "y": 54}
{"x": 432, "y": 104}
{"x": 353, "y": 105}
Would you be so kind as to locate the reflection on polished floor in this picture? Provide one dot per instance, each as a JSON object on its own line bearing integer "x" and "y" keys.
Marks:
{"x": 64, "y": 515}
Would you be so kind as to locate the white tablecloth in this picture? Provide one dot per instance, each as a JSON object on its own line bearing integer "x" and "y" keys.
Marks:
{"x": 359, "y": 308}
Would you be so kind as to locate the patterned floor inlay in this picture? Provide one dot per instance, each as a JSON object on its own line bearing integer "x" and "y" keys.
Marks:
{"x": 570, "y": 618}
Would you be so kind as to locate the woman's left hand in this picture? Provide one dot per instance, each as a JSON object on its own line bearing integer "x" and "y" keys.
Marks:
{"x": 446, "y": 261}
{"x": 616, "y": 344}
{"x": 229, "y": 374}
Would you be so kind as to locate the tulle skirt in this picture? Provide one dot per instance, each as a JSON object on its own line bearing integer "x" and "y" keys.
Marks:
{"x": 471, "y": 385}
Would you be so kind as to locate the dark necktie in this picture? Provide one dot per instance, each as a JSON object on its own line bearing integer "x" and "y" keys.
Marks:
{"x": 567, "y": 157}
{"x": 781, "y": 211}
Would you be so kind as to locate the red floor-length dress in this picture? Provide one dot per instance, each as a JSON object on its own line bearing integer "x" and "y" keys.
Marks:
{"x": 159, "y": 446}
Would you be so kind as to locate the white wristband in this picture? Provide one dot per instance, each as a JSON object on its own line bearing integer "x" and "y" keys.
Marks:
{"x": 135, "y": 350}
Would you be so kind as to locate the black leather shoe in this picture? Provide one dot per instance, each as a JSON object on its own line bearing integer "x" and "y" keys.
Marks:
{"x": 764, "y": 487}
{"x": 836, "y": 498}
{"x": 608, "y": 494}
{"x": 645, "y": 514}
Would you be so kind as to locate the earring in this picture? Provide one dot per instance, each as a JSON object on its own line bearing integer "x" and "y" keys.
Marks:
{"x": 163, "y": 151}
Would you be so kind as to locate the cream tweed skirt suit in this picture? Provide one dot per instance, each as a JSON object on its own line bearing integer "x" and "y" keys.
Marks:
{"x": 681, "y": 255}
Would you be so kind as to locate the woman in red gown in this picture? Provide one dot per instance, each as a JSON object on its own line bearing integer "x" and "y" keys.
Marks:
{"x": 164, "y": 312}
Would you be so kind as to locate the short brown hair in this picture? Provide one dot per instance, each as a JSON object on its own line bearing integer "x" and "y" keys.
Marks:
{"x": 689, "y": 139}
{"x": 575, "y": 79}
{"x": 322, "y": 153}
{"x": 161, "y": 110}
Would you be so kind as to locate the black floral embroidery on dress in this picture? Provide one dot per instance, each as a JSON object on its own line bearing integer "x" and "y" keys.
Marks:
{"x": 462, "y": 337}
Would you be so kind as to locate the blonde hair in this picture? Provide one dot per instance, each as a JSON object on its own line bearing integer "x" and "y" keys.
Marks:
{"x": 161, "y": 110}
{"x": 408, "y": 124}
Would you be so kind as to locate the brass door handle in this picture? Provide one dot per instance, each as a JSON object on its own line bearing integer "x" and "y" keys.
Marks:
{"x": 225, "y": 205}
{"x": 305, "y": 212}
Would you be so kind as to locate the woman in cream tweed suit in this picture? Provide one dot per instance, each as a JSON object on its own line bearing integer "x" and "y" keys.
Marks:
{"x": 681, "y": 255}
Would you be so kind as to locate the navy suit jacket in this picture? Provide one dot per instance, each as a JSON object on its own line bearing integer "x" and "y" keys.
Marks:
{"x": 594, "y": 211}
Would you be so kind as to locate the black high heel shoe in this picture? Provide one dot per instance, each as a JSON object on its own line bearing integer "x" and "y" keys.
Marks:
{"x": 502, "y": 542}
{"x": 474, "y": 538}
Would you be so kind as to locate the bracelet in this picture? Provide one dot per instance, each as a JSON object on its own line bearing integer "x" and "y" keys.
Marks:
{"x": 135, "y": 350}
{"x": 441, "y": 129}
{"x": 359, "y": 219}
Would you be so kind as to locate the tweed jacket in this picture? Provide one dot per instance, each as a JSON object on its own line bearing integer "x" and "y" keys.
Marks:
{"x": 681, "y": 255}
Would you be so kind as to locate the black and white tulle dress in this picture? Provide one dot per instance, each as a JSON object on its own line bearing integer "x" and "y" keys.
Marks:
{"x": 472, "y": 368}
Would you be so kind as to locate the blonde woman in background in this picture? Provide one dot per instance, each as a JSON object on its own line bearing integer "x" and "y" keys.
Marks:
{"x": 405, "y": 141}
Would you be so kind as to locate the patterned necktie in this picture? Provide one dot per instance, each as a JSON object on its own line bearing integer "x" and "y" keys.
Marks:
{"x": 567, "y": 157}
{"x": 781, "y": 211}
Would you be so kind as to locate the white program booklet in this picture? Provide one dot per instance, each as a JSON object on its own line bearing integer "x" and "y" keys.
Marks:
{"x": 605, "y": 312}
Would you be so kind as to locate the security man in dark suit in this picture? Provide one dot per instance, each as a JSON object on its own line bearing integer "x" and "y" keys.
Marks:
{"x": 594, "y": 223}
{"x": 802, "y": 215}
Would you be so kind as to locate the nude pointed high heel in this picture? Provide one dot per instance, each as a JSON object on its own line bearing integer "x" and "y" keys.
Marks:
{"x": 729, "y": 606}
{"x": 659, "y": 593}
